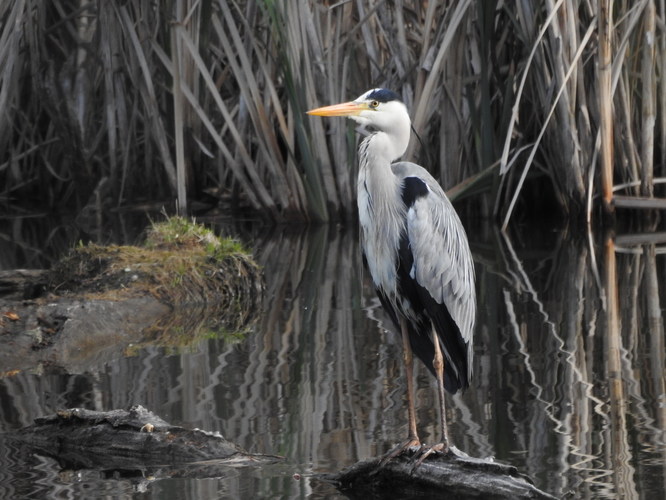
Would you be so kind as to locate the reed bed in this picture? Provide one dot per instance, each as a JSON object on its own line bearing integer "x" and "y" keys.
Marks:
{"x": 525, "y": 106}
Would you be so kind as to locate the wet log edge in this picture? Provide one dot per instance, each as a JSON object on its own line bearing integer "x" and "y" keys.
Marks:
{"x": 127, "y": 439}
{"x": 452, "y": 473}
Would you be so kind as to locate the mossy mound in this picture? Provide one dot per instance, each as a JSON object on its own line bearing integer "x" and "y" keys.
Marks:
{"x": 182, "y": 286}
{"x": 181, "y": 263}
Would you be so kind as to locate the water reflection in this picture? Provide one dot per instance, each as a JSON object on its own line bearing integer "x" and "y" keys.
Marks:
{"x": 569, "y": 374}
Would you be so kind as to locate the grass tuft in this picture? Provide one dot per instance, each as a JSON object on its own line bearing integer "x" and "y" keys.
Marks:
{"x": 181, "y": 262}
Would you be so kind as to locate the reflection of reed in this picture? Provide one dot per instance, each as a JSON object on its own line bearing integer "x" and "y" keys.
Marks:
{"x": 292, "y": 371}
{"x": 655, "y": 334}
{"x": 554, "y": 372}
{"x": 36, "y": 241}
{"x": 587, "y": 365}
{"x": 619, "y": 451}
{"x": 548, "y": 379}
{"x": 313, "y": 327}
{"x": 568, "y": 385}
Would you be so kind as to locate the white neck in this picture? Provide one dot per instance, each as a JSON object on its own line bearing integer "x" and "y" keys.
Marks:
{"x": 385, "y": 147}
{"x": 376, "y": 153}
{"x": 380, "y": 207}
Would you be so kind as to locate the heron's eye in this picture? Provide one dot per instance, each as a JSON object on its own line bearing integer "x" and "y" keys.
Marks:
{"x": 374, "y": 104}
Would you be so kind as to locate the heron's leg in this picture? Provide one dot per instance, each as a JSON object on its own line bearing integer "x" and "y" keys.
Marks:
{"x": 408, "y": 358}
{"x": 438, "y": 364}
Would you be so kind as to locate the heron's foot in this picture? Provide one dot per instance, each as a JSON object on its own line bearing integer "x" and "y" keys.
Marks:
{"x": 425, "y": 451}
{"x": 399, "y": 450}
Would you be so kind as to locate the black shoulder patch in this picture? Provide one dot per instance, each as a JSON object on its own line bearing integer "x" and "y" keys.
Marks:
{"x": 412, "y": 189}
{"x": 383, "y": 95}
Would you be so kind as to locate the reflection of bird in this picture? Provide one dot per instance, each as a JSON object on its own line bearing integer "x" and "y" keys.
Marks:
{"x": 416, "y": 250}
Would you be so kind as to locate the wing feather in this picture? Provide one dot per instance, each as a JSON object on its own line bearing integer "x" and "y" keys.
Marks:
{"x": 442, "y": 262}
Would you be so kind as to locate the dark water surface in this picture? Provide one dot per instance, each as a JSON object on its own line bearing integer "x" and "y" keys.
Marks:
{"x": 569, "y": 381}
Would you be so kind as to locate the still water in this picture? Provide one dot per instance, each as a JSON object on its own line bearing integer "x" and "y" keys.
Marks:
{"x": 569, "y": 372}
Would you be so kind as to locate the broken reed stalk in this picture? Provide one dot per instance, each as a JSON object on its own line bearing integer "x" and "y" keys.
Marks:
{"x": 10, "y": 40}
{"x": 647, "y": 100}
{"x": 661, "y": 93}
{"x": 563, "y": 43}
{"x": 176, "y": 52}
{"x": 605, "y": 103}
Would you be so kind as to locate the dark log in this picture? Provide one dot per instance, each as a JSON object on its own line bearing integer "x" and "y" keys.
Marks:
{"x": 643, "y": 202}
{"x": 453, "y": 474}
{"x": 127, "y": 440}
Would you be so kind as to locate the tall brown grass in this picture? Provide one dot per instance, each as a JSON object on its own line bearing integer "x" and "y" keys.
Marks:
{"x": 510, "y": 99}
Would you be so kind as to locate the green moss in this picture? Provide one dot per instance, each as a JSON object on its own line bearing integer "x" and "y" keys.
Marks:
{"x": 181, "y": 333}
{"x": 181, "y": 262}
{"x": 212, "y": 284}
{"x": 178, "y": 232}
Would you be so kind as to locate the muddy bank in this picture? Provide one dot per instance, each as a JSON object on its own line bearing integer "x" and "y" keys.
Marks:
{"x": 99, "y": 302}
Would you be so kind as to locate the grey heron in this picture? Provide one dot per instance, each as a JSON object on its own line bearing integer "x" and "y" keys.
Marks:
{"x": 416, "y": 250}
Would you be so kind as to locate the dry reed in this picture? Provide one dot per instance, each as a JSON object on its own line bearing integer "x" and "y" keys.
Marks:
{"x": 537, "y": 93}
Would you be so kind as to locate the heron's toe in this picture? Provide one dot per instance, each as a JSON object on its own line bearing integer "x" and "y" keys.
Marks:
{"x": 400, "y": 449}
{"x": 425, "y": 451}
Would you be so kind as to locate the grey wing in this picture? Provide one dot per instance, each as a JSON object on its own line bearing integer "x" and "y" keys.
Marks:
{"x": 443, "y": 262}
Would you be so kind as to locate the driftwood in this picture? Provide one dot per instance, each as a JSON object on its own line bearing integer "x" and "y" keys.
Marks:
{"x": 453, "y": 474}
{"x": 133, "y": 439}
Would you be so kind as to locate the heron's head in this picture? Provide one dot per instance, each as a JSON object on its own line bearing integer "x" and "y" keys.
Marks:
{"x": 379, "y": 108}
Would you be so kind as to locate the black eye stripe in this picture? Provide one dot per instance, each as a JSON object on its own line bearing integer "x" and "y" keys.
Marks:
{"x": 383, "y": 95}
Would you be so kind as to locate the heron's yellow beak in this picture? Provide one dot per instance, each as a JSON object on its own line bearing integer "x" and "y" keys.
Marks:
{"x": 345, "y": 109}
